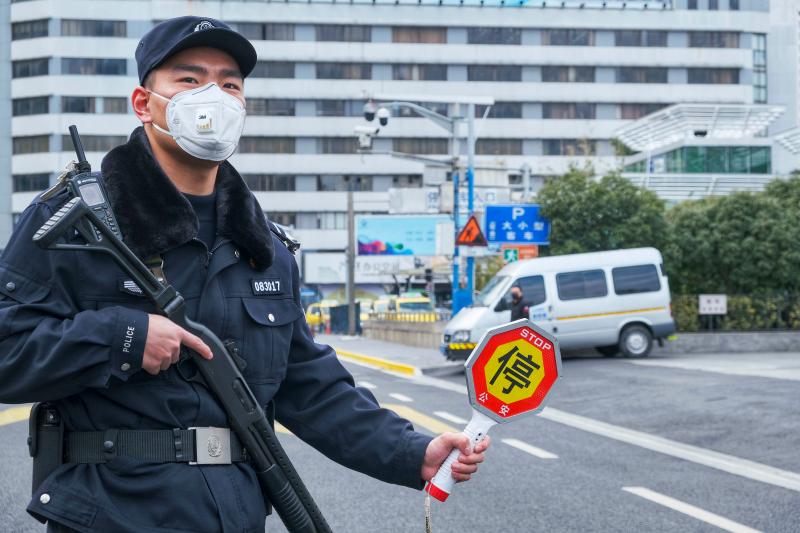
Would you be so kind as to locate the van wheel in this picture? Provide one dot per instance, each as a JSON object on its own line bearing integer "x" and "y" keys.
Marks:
{"x": 636, "y": 341}
{"x": 608, "y": 351}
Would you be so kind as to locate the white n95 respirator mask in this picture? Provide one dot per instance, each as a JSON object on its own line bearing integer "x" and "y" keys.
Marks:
{"x": 206, "y": 122}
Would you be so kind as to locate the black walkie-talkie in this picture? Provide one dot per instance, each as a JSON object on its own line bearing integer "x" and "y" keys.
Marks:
{"x": 81, "y": 183}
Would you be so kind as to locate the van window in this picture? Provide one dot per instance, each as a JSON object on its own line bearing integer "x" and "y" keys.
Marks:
{"x": 491, "y": 291}
{"x": 635, "y": 279}
{"x": 532, "y": 290}
{"x": 578, "y": 285}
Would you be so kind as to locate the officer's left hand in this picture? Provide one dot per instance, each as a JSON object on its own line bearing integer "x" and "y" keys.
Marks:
{"x": 440, "y": 447}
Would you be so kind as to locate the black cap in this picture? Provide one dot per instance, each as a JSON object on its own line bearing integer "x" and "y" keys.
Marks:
{"x": 173, "y": 35}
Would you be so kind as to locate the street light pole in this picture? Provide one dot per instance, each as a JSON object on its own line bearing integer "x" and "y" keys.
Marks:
{"x": 471, "y": 191}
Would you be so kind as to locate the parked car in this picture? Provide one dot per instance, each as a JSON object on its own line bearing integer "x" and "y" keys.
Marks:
{"x": 317, "y": 313}
{"x": 615, "y": 301}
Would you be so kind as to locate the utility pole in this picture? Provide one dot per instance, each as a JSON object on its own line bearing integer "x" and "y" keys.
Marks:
{"x": 470, "y": 191}
{"x": 351, "y": 262}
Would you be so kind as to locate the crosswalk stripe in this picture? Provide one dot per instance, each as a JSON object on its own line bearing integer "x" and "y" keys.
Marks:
{"x": 533, "y": 450}
{"x": 401, "y": 397}
{"x": 687, "y": 509}
{"x": 450, "y": 417}
{"x": 420, "y": 419}
{"x": 14, "y": 414}
{"x": 366, "y": 385}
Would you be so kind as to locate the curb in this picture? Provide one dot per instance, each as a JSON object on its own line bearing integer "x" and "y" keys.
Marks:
{"x": 377, "y": 362}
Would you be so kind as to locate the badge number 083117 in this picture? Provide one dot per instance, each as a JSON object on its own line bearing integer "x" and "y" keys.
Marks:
{"x": 509, "y": 374}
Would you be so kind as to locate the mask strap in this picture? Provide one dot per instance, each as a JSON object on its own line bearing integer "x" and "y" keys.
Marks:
{"x": 156, "y": 126}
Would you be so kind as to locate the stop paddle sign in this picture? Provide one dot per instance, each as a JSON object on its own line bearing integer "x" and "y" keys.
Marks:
{"x": 509, "y": 374}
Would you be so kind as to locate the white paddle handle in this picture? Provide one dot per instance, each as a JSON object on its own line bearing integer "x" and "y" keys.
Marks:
{"x": 442, "y": 483}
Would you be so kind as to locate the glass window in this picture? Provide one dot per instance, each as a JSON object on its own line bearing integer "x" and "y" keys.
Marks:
{"x": 436, "y": 107}
{"x": 713, "y": 39}
{"x": 637, "y": 111}
{"x": 533, "y": 292}
{"x": 269, "y": 182}
{"x": 717, "y": 158}
{"x": 77, "y": 104}
{"x": 344, "y": 71}
{"x": 266, "y": 145}
{"x": 31, "y": 144}
{"x": 94, "y": 28}
{"x": 411, "y": 181}
{"x": 498, "y": 147}
{"x": 491, "y": 291}
{"x": 337, "y": 145}
{"x": 94, "y": 66}
{"x": 412, "y": 34}
{"x": 562, "y": 110}
{"x": 655, "y": 38}
{"x": 425, "y": 146}
{"x": 115, "y": 105}
{"x": 692, "y": 4}
{"x": 579, "y": 285}
{"x": 733, "y": 5}
{"x": 270, "y": 106}
{"x": 273, "y": 69}
{"x": 740, "y": 160}
{"x": 94, "y": 143}
{"x": 419, "y": 72}
{"x": 31, "y": 182}
{"x": 278, "y": 32}
{"x": 714, "y": 75}
{"x": 713, "y": 5}
{"x": 340, "y": 108}
{"x": 35, "y": 105}
{"x": 253, "y": 31}
{"x": 29, "y": 29}
{"x": 30, "y": 67}
{"x": 284, "y": 219}
{"x": 641, "y": 75}
{"x": 494, "y": 73}
{"x": 569, "y": 147}
{"x": 695, "y": 157}
{"x": 568, "y": 74}
{"x": 760, "y": 160}
{"x": 636, "y": 279}
{"x": 628, "y": 38}
{"x": 501, "y": 110}
{"x": 343, "y": 183}
{"x": 494, "y": 36}
{"x": 341, "y": 32}
{"x": 565, "y": 37}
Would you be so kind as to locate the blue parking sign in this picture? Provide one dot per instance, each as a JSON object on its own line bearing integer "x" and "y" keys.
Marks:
{"x": 521, "y": 224}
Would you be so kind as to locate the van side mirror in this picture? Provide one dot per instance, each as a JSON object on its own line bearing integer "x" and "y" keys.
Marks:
{"x": 504, "y": 304}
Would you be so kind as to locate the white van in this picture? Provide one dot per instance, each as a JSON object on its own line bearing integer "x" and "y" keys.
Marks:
{"x": 615, "y": 301}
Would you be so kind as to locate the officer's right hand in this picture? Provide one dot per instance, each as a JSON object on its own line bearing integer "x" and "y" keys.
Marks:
{"x": 163, "y": 346}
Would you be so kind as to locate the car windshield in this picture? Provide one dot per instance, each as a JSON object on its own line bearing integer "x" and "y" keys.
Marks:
{"x": 490, "y": 292}
{"x": 415, "y": 306}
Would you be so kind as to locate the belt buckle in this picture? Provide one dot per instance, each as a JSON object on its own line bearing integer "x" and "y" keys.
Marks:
{"x": 212, "y": 446}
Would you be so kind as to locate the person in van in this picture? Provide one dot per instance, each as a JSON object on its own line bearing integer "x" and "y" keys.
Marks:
{"x": 519, "y": 309}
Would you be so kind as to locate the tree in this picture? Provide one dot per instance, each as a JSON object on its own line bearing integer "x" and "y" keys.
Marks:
{"x": 588, "y": 215}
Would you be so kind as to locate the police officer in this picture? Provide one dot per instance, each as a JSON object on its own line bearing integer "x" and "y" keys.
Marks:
{"x": 75, "y": 331}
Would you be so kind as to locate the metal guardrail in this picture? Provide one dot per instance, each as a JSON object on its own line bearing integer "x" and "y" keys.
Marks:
{"x": 418, "y": 316}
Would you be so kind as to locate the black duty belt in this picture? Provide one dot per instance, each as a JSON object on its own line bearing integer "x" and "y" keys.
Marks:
{"x": 196, "y": 446}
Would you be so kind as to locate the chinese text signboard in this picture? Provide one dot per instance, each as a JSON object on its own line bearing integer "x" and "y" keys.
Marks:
{"x": 521, "y": 224}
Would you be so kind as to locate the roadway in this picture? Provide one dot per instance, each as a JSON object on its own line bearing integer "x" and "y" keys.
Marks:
{"x": 670, "y": 443}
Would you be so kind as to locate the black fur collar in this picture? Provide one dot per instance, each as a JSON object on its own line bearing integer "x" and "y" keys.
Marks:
{"x": 155, "y": 217}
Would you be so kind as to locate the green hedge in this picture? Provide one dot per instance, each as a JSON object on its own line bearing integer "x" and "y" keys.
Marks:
{"x": 745, "y": 313}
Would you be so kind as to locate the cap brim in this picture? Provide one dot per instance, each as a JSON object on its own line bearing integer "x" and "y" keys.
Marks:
{"x": 222, "y": 39}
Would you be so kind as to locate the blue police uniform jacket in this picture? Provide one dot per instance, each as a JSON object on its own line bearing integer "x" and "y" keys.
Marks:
{"x": 73, "y": 331}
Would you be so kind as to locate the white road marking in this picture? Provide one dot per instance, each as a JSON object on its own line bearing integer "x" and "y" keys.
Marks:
{"x": 720, "y": 461}
{"x": 695, "y": 512}
{"x": 400, "y": 397}
{"x": 740, "y": 365}
{"x": 533, "y": 450}
{"x": 451, "y": 418}
{"x": 366, "y": 385}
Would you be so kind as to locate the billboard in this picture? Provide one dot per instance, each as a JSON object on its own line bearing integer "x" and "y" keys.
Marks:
{"x": 331, "y": 267}
{"x": 401, "y": 234}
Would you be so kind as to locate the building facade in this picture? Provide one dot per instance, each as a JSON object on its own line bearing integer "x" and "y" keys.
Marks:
{"x": 565, "y": 76}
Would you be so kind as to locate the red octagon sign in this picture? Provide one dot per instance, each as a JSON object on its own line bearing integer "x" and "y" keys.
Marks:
{"x": 512, "y": 369}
